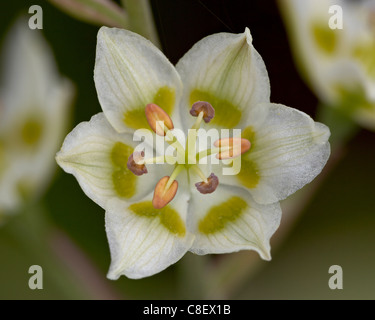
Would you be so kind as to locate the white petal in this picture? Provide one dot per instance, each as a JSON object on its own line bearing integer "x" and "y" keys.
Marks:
{"x": 130, "y": 72}
{"x": 144, "y": 245}
{"x": 88, "y": 153}
{"x": 288, "y": 151}
{"x": 225, "y": 70}
{"x": 229, "y": 220}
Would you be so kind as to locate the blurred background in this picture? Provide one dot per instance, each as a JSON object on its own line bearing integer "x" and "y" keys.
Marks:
{"x": 64, "y": 230}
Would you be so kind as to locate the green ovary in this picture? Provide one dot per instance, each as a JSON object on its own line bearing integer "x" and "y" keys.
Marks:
{"x": 226, "y": 114}
{"x": 165, "y": 98}
{"x": 325, "y": 38}
{"x": 169, "y": 218}
{"x": 219, "y": 216}
{"x": 124, "y": 181}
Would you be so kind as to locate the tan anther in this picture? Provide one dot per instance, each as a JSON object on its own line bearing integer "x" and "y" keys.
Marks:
{"x": 206, "y": 108}
{"x": 210, "y": 186}
{"x": 155, "y": 115}
{"x": 162, "y": 195}
{"x": 232, "y": 147}
{"x": 134, "y": 163}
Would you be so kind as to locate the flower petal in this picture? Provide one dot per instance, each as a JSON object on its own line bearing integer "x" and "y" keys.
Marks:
{"x": 97, "y": 156}
{"x": 225, "y": 70}
{"x": 144, "y": 240}
{"x": 229, "y": 220}
{"x": 130, "y": 72}
{"x": 288, "y": 150}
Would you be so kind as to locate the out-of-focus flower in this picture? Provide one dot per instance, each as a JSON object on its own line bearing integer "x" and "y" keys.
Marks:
{"x": 34, "y": 107}
{"x": 151, "y": 219}
{"x": 339, "y": 64}
{"x": 98, "y": 12}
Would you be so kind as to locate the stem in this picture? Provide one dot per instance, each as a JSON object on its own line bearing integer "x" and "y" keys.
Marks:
{"x": 141, "y": 20}
{"x": 30, "y": 231}
{"x": 192, "y": 271}
{"x": 65, "y": 267}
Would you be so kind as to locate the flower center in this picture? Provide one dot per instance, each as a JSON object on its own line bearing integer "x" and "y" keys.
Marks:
{"x": 162, "y": 125}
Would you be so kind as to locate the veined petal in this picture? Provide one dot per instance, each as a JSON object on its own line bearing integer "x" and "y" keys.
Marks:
{"x": 230, "y": 220}
{"x": 130, "y": 72}
{"x": 226, "y": 71}
{"x": 143, "y": 240}
{"x": 288, "y": 150}
{"x": 97, "y": 156}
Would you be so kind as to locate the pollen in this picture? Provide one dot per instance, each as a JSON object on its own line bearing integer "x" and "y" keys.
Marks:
{"x": 164, "y": 192}
{"x": 206, "y": 108}
{"x": 158, "y": 119}
{"x": 231, "y": 148}
{"x": 135, "y": 164}
{"x": 209, "y": 186}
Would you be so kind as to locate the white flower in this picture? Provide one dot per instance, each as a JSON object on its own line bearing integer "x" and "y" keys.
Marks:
{"x": 34, "y": 105}
{"x": 339, "y": 64}
{"x": 153, "y": 219}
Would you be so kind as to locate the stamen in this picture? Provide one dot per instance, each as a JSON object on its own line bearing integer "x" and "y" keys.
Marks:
{"x": 166, "y": 189}
{"x": 135, "y": 164}
{"x": 206, "y": 108}
{"x": 162, "y": 194}
{"x": 231, "y": 147}
{"x": 209, "y": 186}
{"x": 155, "y": 115}
{"x": 199, "y": 172}
{"x": 198, "y": 122}
{"x": 174, "y": 175}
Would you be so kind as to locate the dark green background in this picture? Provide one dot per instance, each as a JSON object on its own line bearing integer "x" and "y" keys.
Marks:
{"x": 337, "y": 228}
